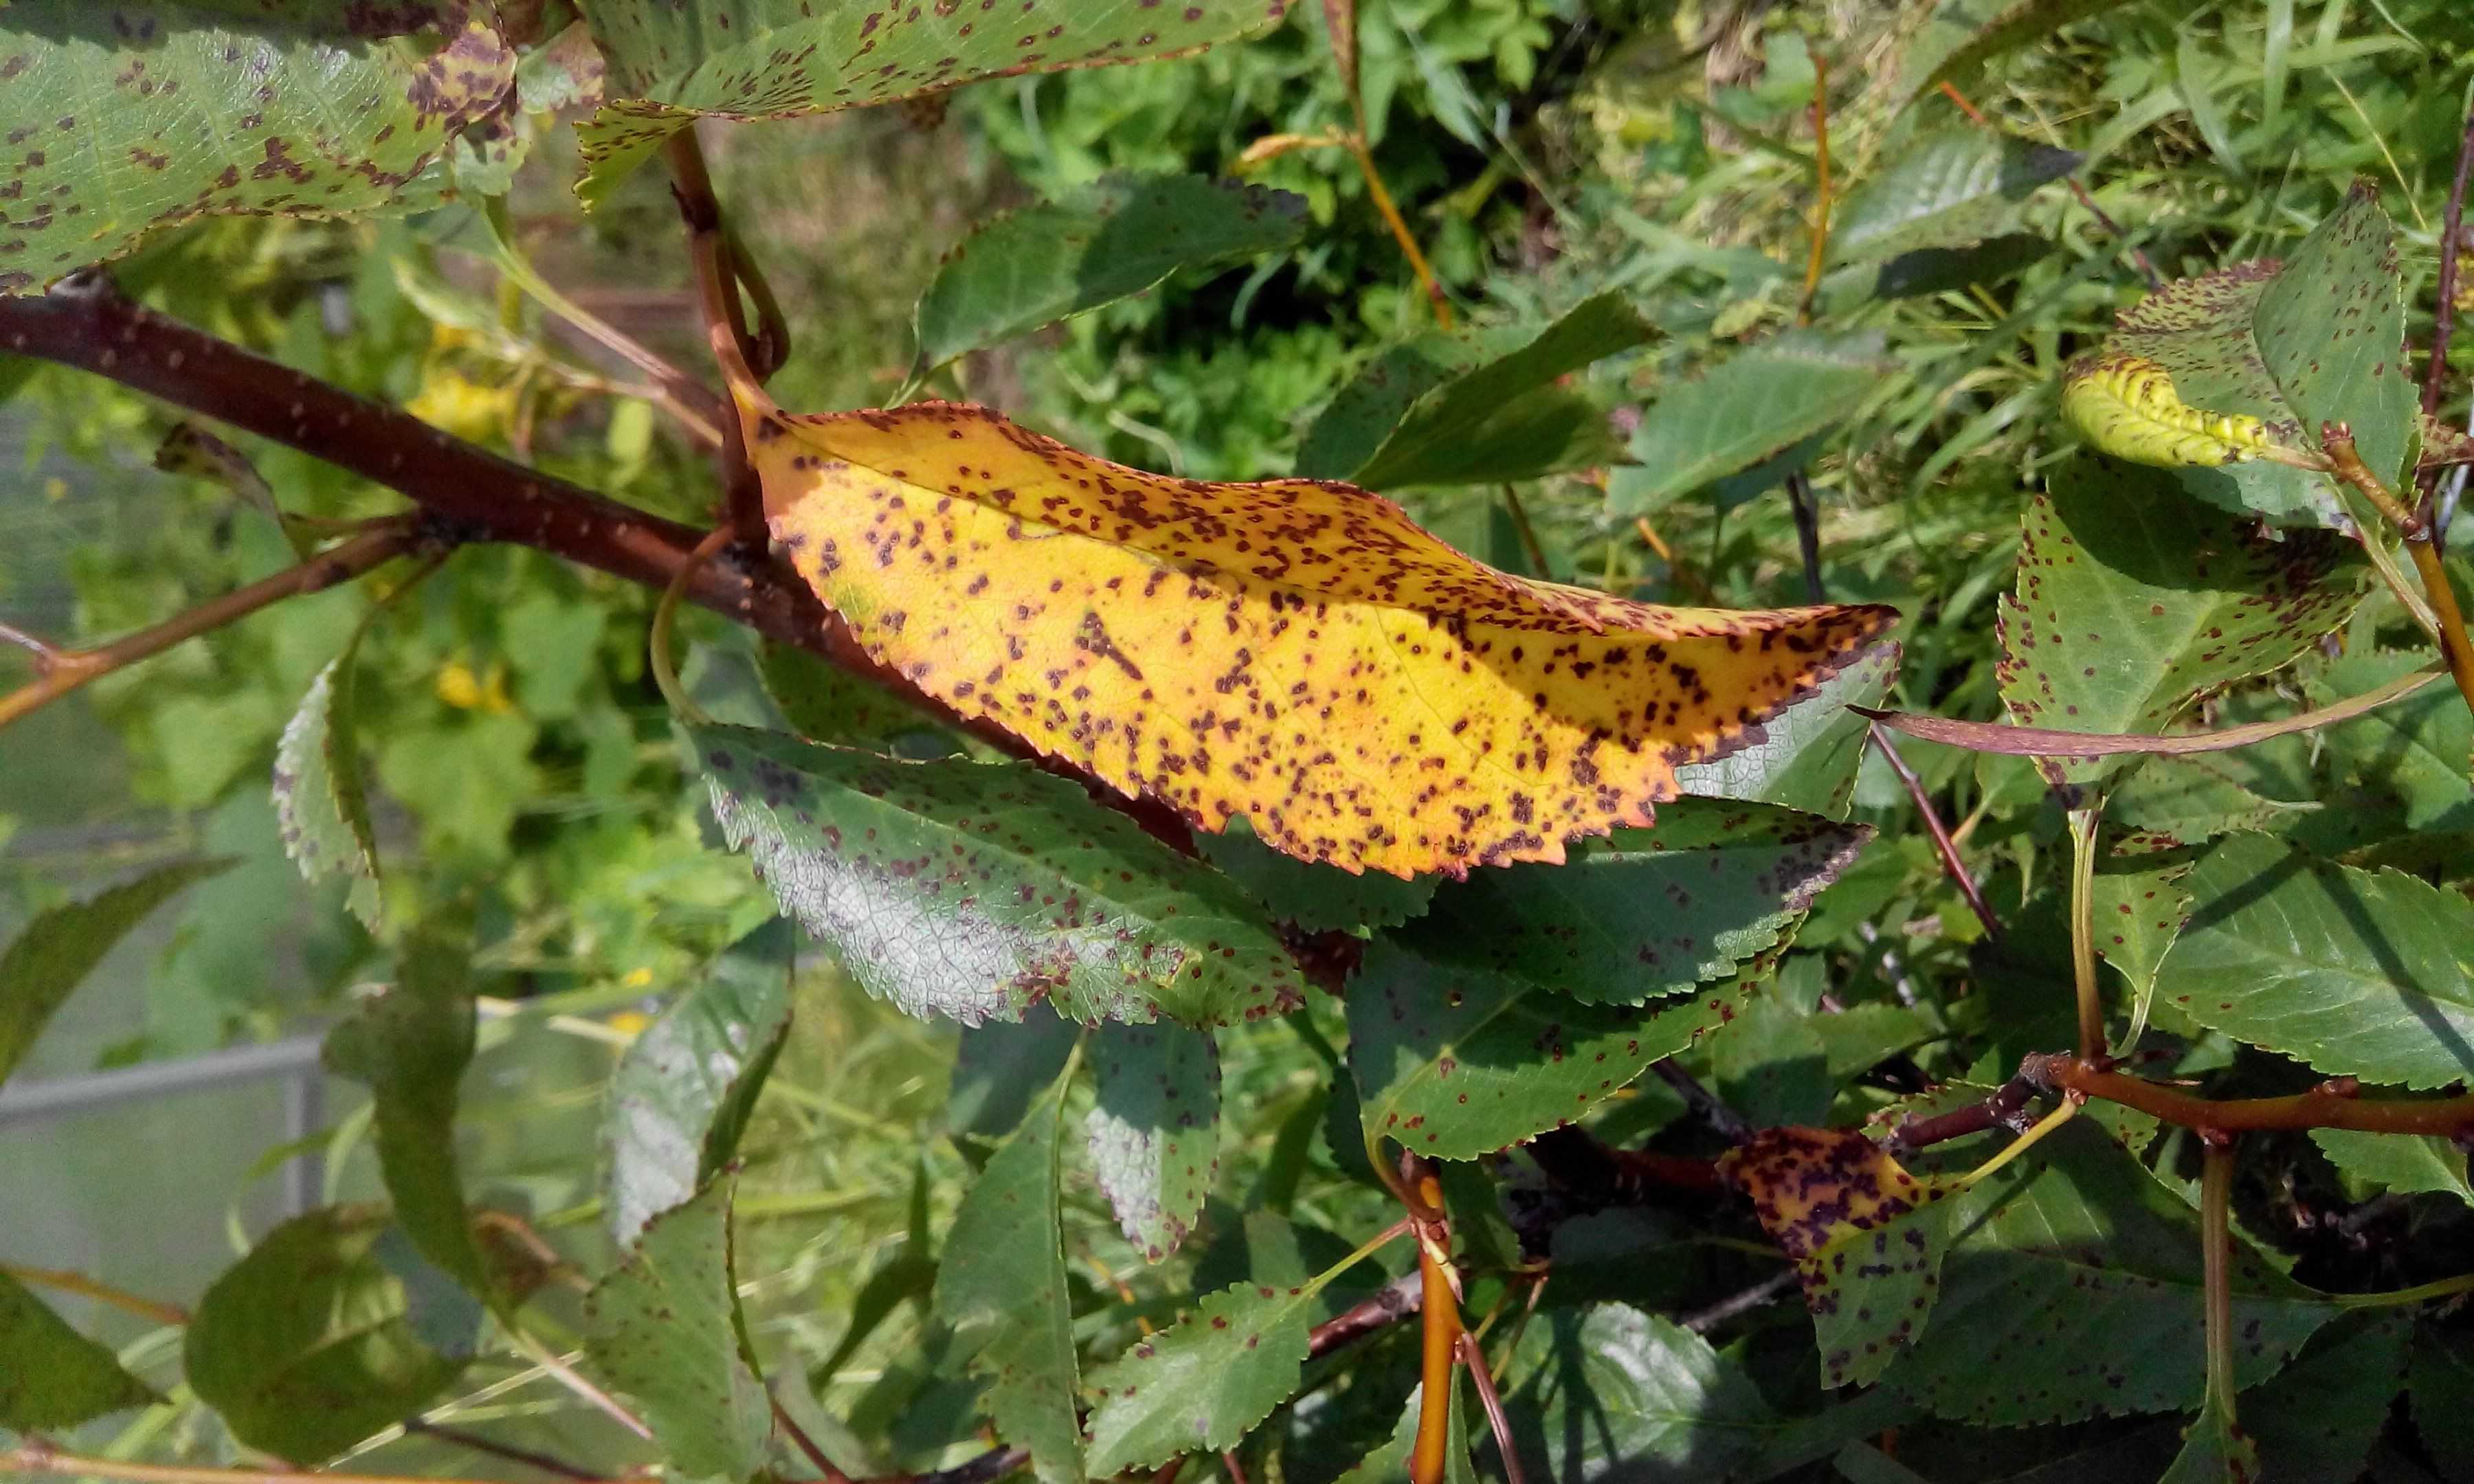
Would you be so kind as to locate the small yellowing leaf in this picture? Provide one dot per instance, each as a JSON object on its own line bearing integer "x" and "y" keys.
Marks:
{"x": 1815, "y": 1190}
{"x": 1296, "y": 652}
{"x": 2127, "y": 407}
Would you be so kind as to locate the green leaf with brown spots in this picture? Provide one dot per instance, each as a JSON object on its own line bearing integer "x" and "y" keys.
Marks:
{"x": 127, "y": 118}
{"x": 2408, "y": 1164}
{"x": 1315, "y": 895}
{"x": 1205, "y": 1383}
{"x": 1002, "y": 1287}
{"x": 2074, "y": 1289}
{"x": 2420, "y": 749}
{"x": 1952, "y": 187}
{"x": 975, "y": 890}
{"x": 332, "y": 1327}
{"x": 2133, "y": 603}
{"x": 663, "y": 1327}
{"x": 51, "y": 1377}
{"x": 1646, "y": 913}
{"x": 1454, "y": 1063}
{"x": 2360, "y": 974}
{"x": 1293, "y": 652}
{"x": 1154, "y": 1129}
{"x": 669, "y": 65}
{"x": 1118, "y": 235}
{"x": 2317, "y": 339}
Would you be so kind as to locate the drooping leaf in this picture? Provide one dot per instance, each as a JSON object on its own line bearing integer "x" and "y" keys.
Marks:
{"x": 1646, "y": 913}
{"x": 1154, "y": 1129}
{"x": 1454, "y": 1063}
{"x": 669, "y": 65}
{"x": 1808, "y": 754}
{"x": 975, "y": 890}
{"x": 1867, "y": 1238}
{"x": 1118, "y": 235}
{"x": 1948, "y": 188}
{"x": 332, "y": 1327}
{"x": 2206, "y": 371}
{"x": 1755, "y": 403}
{"x": 139, "y": 116}
{"x": 1316, "y": 897}
{"x": 2403, "y": 1163}
{"x": 319, "y": 801}
{"x": 1204, "y": 1382}
{"x": 1002, "y": 1287}
{"x": 51, "y": 1377}
{"x": 662, "y": 1325}
{"x": 408, "y": 1044}
{"x": 683, "y": 1090}
{"x": 1481, "y": 407}
{"x": 46, "y": 962}
{"x": 2075, "y": 1276}
{"x": 2356, "y": 972}
{"x": 1288, "y": 650}
{"x": 2133, "y": 603}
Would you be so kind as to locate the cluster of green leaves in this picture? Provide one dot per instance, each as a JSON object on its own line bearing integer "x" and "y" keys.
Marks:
{"x": 1150, "y": 1149}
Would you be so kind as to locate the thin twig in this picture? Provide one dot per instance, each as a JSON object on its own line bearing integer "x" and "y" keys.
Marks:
{"x": 1228, "y": 1461}
{"x": 496, "y": 1449}
{"x": 1731, "y": 1125}
{"x": 47, "y": 656}
{"x": 558, "y": 1369}
{"x": 1474, "y": 1358}
{"x": 2082, "y": 907}
{"x": 1945, "y": 844}
{"x": 718, "y": 274}
{"x": 2332, "y": 1105}
{"x": 1527, "y": 532}
{"x": 2216, "y": 1237}
{"x": 1819, "y": 252}
{"x": 2005, "y": 1108}
{"x": 2113, "y": 228}
{"x": 798, "y": 1435}
{"x": 1676, "y": 567}
{"x": 2444, "y": 315}
{"x": 69, "y": 670}
{"x": 1807, "y": 534}
{"x": 2447, "y": 621}
{"x": 84, "y": 1287}
{"x": 1767, "y": 1291}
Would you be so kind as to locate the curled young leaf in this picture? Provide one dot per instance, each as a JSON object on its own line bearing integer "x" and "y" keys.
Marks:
{"x": 1293, "y": 651}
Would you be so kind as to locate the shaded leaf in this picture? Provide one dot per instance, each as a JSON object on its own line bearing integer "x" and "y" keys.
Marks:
{"x": 1118, "y": 235}
{"x": 51, "y": 1377}
{"x": 1204, "y": 1382}
{"x": 1316, "y": 897}
{"x": 669, "y": 65}
{"x": 2314, "y": 1420}
{"x": 1948, "y": 188}
{"x": 1287, "y": 651}
{"x": 331, "y": 1328}
{"x": 663, "y": 1327}
{"x": 684, "y": 1089}
{"x": 1154, "y": 1129}
{"x": 1001, "y": 1066}
{"x": 976, "y": 889}
{"x": 158, "y": 113}
{"x": 2167, "y": 803}
{"x": 2132, "y": 604}
{"x": 1757, "y": 402}
{"x": 2442, "y": 1372}
{"x": 1453, "y": 1063}
{"x": 2015, "y": 27}
{"x": 2215, "y": 1451}
{"x": 2419, "y": 749}
{"x": 320, "y": 803}
{"x": 408, "y": 1044}
{"x": 2138, "y": 903}
{"x": 2409, "y": 1163}
{"x": 1608, "y": 1393}
{"x": 1771, "y": 1065}
{"x": 1808, "y": 754}
{"x": 1482, "y": 407}
{"x": 1002, "y": 1287}
{"x": 1646, "y": 913}
{"x": 825, "y": 702}
{"x": 2357, "y": 973}
{"x": 2074, "y": 1278}
{"x": 46, "y": 962}
{"x": 1867, "y": 1238}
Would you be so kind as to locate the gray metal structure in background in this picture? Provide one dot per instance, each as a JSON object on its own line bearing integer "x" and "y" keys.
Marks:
{"x": 293, "y": 1061}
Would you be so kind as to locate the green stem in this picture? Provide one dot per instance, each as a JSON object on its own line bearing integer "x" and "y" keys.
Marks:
{"x": 2083, "y": 822}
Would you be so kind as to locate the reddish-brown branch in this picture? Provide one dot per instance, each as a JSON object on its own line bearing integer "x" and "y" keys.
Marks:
{"x": 1488, "y": 1398}
{"x": 719, "y": 271}
{"x": 1945, "y": 844}
{"x": 59, "y": 672}
{"x": 2444, "y": 315}
{"x": 2332, "y": 1105}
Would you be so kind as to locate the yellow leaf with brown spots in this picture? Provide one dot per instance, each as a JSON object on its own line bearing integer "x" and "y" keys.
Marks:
{"x": 1865, "y": 1235}
{"x": 1296, "y": 652}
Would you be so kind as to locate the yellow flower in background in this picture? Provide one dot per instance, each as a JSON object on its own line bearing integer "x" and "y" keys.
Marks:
{"x": 459, "y": 687}
{"x": 452, "y": 402}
